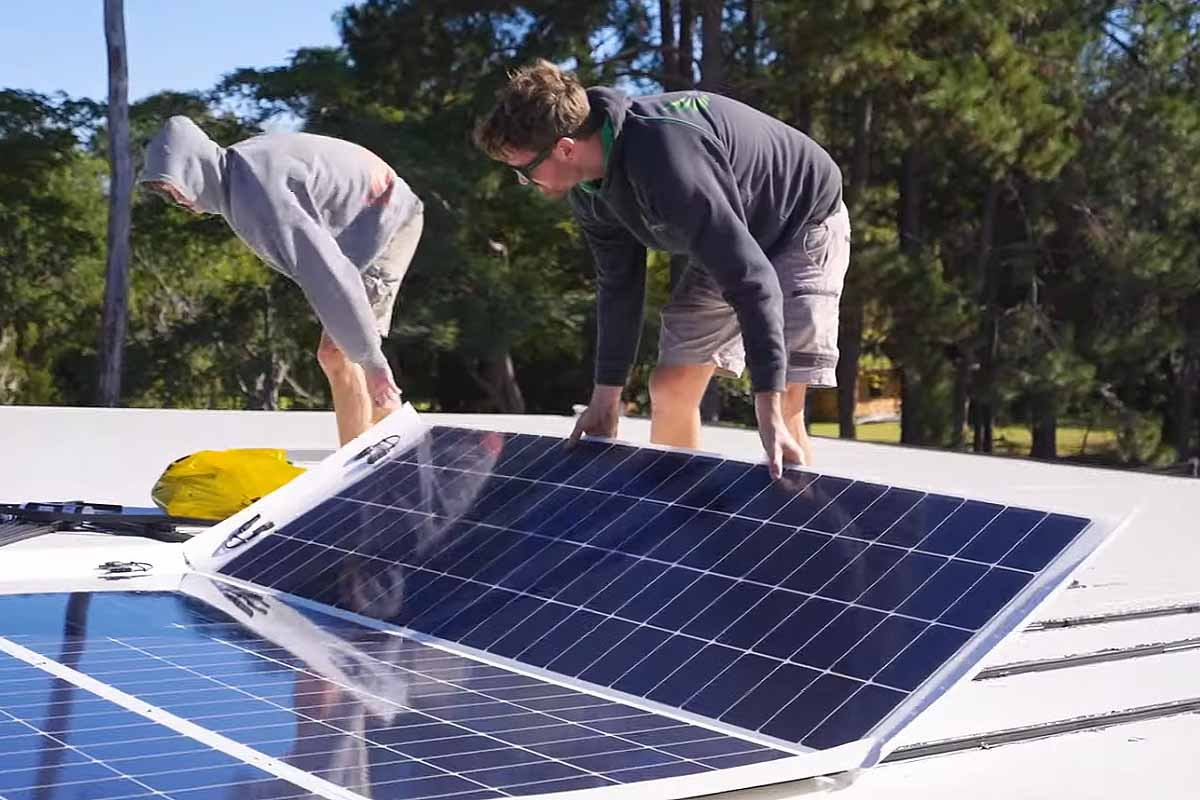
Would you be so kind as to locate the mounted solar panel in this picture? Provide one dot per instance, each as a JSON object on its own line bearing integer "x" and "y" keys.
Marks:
{"x": 215, "y": 691}
{"x": 813, "y": 616}
{"x": 55, "y": 754}
{"x": 452, "y": 613}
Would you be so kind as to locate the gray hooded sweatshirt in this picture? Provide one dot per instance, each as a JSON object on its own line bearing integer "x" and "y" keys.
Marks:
{"x": 317, "y": 209}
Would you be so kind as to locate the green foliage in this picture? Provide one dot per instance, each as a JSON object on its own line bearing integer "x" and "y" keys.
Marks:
{"x": 1026, "y": 211}
{"x": 51, "y": 244}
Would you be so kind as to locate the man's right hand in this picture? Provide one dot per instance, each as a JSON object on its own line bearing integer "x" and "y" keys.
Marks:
{"x": 382, "y": 387}
{"x": 778, "y": 443}
{"x": 601, "y": 416}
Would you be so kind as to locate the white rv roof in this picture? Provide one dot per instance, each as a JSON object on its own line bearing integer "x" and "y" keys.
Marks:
{"x": 1099, "y": 700}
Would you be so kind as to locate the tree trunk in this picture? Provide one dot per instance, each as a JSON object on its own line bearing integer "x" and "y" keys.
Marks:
{"x": 667, "y": 49}
{"x": 751, "y": 38}
{"x": 1045, "y": 425}
{"x": 271, "y": 375}
{"x": 911, "y": 410}
{"x": 802, "y": 114}
{"x": 116, "y": 286}
{"x": 910, "y": 202}
{"x": 12, "y": 376}
{"x": 500, "y": 381}
{"x": 712, "y": 60}
{"x": 984, "y": 416}
{"x": 851, "y": 321}
{"x": 860, "y": 158}
{"x": 962, "y": 400}
{"x": 850, "y": 330}
{"x": 1183, "y": 400}
{"x": 687, "y": 46}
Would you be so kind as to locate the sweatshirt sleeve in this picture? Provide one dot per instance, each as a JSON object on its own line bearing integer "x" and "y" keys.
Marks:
{"x": 620, "y": 292}
{"x": 684, "y": 179}
{"x": 330, "y": 281}
{"x": 336, "y": 292}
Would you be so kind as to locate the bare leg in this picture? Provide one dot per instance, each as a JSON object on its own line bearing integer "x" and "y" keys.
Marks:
{"x": 352, "y": 405}
{"x": 675, "y": 393}
{"x": 793, "y": 417}
{"x": 378, "y": 413}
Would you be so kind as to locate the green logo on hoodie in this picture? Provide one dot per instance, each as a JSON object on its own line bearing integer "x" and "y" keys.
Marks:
{"x": 693, "y": 101}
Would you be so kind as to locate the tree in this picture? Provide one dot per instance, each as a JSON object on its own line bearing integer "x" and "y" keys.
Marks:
{"x": 935, "y": 107}
{"x": 51, "y": 248}
{"x": 120, "y": 200}
{"x": 211, "y": 325}
{"x": 409, "y": 84}
{"x": 1021, "y": 177}
{"x": 1128, "y": 232}
{"x": 712, "y": 56}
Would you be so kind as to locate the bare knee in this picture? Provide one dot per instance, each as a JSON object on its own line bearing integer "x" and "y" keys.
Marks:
{"x": 793, "y": 400}
{"x": 677, "y": 387}
{"x": 664, "y": 389}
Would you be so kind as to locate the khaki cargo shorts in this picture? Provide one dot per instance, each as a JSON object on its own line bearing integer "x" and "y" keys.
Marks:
{"x": 382, "y": 278}
{"x": 700, "y": 327}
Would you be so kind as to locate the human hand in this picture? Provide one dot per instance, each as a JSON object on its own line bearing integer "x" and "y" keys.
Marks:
{"x": 777, "y": 441}
{"x": 382, "y": 388}
{"x": 602, "y": 415}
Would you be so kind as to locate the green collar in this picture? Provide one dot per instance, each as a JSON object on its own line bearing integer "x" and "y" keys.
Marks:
{"x": 606, "y": 141}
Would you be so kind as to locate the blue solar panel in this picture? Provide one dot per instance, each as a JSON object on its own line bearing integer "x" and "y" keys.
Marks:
{"x": 60, "y": 741}
{"x": 805, "y": 610}
{"x": 400, "y": 719}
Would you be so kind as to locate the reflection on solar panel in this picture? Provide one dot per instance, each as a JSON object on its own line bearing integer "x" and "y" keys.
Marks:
{"x": 399, "y": 719}
{"x": 57, "y": 740}
{"x": 467, "y": 614}
{"x": 806, "y": 613}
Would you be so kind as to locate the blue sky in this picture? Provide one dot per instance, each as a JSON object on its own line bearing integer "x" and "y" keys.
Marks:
{"x": 52, "y": 45}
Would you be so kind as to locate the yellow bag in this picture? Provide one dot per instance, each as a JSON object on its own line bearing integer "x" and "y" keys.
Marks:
{"x": 215, "y": 484}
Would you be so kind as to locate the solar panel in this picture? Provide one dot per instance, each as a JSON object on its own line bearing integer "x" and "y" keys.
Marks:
{"x": 58, "y": 739}
{"x": 43, "y": 755}
{"x": 368, "y": 711}
{"x": 804, "y": 614}
{"x": 452, "y": 613}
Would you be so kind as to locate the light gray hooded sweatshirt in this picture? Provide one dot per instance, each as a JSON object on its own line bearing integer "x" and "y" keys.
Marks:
{"x": 317, "y": 209}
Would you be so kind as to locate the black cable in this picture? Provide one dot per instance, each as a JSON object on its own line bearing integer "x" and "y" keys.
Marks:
{"x": 119, "y": 568}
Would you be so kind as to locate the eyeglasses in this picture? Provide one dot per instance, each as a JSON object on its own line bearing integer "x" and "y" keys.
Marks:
{"x": 525, "y": 172}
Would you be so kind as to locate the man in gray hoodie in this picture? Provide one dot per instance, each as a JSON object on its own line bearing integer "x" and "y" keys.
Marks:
{"x": 329, "y": 214}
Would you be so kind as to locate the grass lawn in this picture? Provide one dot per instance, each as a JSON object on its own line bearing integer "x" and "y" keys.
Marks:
{"x": 1011, "y": 440}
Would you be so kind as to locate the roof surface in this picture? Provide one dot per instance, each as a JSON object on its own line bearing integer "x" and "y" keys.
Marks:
{"x": 1097, "y": 699}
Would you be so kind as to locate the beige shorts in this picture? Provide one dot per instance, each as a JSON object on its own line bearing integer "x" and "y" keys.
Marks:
{"x": 382, "y": 278}
{"x": 700, "y": 327}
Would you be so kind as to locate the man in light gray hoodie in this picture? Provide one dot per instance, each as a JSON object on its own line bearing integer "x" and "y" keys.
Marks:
{"x": 329, "y": 214}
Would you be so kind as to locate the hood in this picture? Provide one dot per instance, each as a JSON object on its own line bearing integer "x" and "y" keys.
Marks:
{"x": 184, "y": 156}
{"x": 607, "y": 103}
